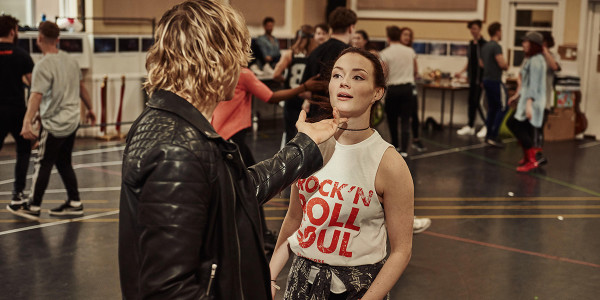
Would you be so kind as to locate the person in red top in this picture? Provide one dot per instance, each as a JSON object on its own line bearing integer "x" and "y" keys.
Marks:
{"x": 233, "y": 119}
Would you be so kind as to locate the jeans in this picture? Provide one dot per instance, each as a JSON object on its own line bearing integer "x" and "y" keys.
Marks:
{"x": 496, "y": 107}
{"x": 474, "y": 105}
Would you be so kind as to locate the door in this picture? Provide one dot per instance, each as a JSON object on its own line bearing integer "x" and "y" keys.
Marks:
{"x": 591, "y": 101}
{"x": 524, "y": 17}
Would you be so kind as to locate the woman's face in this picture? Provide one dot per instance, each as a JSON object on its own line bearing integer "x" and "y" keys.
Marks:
{"x": 352, "y": 86}
{"x": 405, "y": 37}
{"x": 321, "y": 35}
{"x": 358, "y": 41}
{"x": 526, "y": 46}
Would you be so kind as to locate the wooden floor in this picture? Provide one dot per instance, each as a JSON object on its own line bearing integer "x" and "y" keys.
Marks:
{"x": 496, "y": 234}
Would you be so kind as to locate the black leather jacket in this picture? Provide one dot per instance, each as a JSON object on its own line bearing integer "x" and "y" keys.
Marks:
{"x": 189, "y": 222}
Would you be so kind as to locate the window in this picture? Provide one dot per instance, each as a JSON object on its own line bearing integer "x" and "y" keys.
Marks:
{"x": 531, "y": 16}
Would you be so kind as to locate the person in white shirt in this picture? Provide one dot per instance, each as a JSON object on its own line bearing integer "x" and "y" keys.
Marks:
{"x": 335, "y": 225}
{"x": 400, "y": 64}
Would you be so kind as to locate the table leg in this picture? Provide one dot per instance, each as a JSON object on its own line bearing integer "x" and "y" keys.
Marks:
{"x": 442, "y": 113}
{"x": 423, "y": 107}
{"x": 451, "y": 107}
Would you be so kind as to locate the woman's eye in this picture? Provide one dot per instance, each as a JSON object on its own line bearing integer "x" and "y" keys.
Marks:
{"x": 337, "y": 76}
{"x": 358, "y": 78}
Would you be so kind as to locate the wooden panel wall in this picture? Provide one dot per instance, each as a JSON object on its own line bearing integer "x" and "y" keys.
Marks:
{"x": 136, "y": 8}
{"x": 418, "y": 5}
{"x": 256, "y": 10}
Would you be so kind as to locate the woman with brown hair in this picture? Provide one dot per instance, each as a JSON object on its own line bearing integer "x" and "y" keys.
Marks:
{"x": 529, "y": 114}
{"x": 335, "y": 225}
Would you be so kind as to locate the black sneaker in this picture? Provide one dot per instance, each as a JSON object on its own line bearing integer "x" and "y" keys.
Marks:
{"x": 418, "y": 146}
{"x": 66, "y": 209}
{"x": 494, "y": 143}
{"x": 18, "y": 199}
{"x": 25, "y": 210}
{"x": 19, "y": 196}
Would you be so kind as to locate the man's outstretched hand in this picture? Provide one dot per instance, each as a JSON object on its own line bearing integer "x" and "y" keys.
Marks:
{"x": 321, "y": 131}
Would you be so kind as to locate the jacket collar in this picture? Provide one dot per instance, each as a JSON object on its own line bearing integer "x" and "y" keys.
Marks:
{"x": 168, "y": 101}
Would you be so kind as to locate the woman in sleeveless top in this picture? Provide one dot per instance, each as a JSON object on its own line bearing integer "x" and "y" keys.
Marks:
{"x": 340, "y": 217}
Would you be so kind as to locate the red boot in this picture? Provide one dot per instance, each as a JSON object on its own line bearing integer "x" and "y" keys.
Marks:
{"x": 531, "y": 161}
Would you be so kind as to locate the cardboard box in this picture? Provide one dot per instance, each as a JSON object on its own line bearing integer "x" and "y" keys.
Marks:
{"x": 560, "y": 125}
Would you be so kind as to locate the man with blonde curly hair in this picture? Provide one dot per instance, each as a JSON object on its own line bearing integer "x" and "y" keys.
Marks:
{"x": 189, "y": 223}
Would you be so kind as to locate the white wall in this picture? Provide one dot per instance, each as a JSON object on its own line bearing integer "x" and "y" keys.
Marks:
{"x": 15, "y": 8}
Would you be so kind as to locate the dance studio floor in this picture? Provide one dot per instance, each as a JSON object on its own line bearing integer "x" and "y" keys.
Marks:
{"x": 496, "y": 234}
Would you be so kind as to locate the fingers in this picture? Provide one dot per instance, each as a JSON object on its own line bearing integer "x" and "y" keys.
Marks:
{"x": 302, "y": 117}
{"x": 336, "y": 117}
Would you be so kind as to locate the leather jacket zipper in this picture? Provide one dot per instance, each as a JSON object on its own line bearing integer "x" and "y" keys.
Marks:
{"x": 213, "y": 272}
{"x": 237, "y": 237}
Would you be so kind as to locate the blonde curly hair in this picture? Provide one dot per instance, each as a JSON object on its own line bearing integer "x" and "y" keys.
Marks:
{"x": 199, "y": 49}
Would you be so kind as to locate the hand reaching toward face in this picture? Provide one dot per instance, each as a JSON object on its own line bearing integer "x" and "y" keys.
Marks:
{"x": 321, "y": 131}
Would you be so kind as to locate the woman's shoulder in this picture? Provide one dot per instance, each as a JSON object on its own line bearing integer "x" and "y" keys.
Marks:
{"x": 538, "y": 60}
{"x": 392, "y": 172}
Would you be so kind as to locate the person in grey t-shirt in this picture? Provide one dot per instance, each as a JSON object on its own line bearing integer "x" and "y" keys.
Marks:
{"x": 493, "y": 63}
{"x": 56, "y": 89}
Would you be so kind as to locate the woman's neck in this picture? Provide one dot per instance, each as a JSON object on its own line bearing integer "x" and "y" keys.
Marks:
{"x": 206, "y": 110}
{"x": 354, "y": 131}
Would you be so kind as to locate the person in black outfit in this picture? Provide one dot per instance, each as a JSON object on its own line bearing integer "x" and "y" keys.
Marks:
{"x": 189, "y": 226}
{"x": 474, "y": 75}
{"x": 342, "y": 22}
{"x": 15, "y": 64}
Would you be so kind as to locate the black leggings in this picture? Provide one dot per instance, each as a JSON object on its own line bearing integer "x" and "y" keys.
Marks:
{"x": 54, "y": 151}
{"x": 11, "y": 121}
{"x": 523, "y": 131}
{"x": 474, "y": 103}
{"x": 398, "y": 103}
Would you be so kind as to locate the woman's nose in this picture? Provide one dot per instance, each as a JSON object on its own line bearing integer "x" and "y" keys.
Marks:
{"x": 344, "y": 83}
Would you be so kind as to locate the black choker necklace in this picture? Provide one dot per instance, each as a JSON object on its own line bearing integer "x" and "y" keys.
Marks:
{"x": 349, "y": 129}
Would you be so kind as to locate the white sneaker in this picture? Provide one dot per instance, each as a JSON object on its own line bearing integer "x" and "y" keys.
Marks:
{"x": 466, "y": 130}
{"x": 421, "y": 224}
{"x": 404, "y": 154}
{"x": 482, "y": 132}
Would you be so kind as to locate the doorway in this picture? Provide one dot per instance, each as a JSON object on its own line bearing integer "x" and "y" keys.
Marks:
{"x": 591, "y": 100}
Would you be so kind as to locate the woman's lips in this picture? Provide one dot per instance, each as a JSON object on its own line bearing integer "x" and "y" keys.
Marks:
{"x": 344, "y": 96}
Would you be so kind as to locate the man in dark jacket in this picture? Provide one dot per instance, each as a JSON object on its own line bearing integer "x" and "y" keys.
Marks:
{"x": 189, "y": 222}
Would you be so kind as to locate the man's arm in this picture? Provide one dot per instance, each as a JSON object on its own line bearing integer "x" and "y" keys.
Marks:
{"x": 27, "y": 79}
{"x": 416, "y": 68}
{"x": 33, "y": 106}
{"x": 463, "y": 70}
{"x": 85, "y": 98}
{"x": 552, "y": 63}
{"x": 501, "y": 62}
{"x": 311, "y": 85}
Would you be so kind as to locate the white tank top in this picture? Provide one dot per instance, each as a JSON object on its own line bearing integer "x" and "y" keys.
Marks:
{"x": 343, "y": 221}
